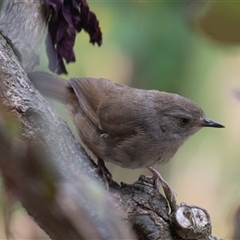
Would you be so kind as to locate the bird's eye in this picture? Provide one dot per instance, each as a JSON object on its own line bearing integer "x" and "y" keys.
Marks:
{"x": 183, "y": 121}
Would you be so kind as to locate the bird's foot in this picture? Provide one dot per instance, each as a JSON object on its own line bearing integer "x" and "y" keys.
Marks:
{"x": 104, "y": 172}
{"x": 169, "y": 192}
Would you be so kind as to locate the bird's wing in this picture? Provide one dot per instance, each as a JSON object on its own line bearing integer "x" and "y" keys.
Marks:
{"x": 92, "y": 94}
{"x": 111, "y": 107}
{"x": 89, "y": 92}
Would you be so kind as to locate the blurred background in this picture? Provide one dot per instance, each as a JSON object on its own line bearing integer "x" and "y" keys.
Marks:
{"x": 190, "y": 48}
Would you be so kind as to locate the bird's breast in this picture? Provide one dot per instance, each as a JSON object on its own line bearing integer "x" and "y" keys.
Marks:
{"x": 139, "y": 154}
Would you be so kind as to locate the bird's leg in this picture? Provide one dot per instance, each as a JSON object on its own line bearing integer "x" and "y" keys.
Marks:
{"x": 103, "y": 171}
{"x": 169, "y": 193}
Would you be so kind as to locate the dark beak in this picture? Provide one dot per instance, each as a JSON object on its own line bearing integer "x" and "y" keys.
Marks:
{"x": 210, "y": 123}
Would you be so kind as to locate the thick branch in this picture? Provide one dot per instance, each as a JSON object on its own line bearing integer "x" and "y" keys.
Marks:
{"x": 24, "y": 22}
{"x": 67, "y": 160}
{"x": 64, "y": 209}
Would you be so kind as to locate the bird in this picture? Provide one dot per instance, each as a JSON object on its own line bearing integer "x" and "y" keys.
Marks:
{"x": 130, "y": 127}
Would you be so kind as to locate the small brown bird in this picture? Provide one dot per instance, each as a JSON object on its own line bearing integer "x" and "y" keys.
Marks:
{"x": 130, "y": 127}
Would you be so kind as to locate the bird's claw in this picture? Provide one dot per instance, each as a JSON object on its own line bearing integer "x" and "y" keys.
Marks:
{"x": 169, "y": 192}
{"x": 104, "y": 172}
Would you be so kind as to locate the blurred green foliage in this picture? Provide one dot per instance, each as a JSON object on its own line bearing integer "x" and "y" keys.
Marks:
{"x": 159, "y": 41}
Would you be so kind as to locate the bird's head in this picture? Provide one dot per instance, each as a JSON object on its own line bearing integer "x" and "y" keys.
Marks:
{"x": 181, "y": 117}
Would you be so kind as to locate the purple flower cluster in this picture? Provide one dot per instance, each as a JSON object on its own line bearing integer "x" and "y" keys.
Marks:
{"x": 67, "y": 18}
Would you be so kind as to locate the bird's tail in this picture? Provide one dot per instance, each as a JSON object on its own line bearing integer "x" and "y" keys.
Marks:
{"x": 50, "y": 85}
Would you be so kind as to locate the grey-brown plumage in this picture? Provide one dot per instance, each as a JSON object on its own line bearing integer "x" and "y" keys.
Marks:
{"x": 130, "y": 127}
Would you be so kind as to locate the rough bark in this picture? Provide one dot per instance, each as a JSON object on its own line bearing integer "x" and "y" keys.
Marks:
{"x": 79, "y": 207}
